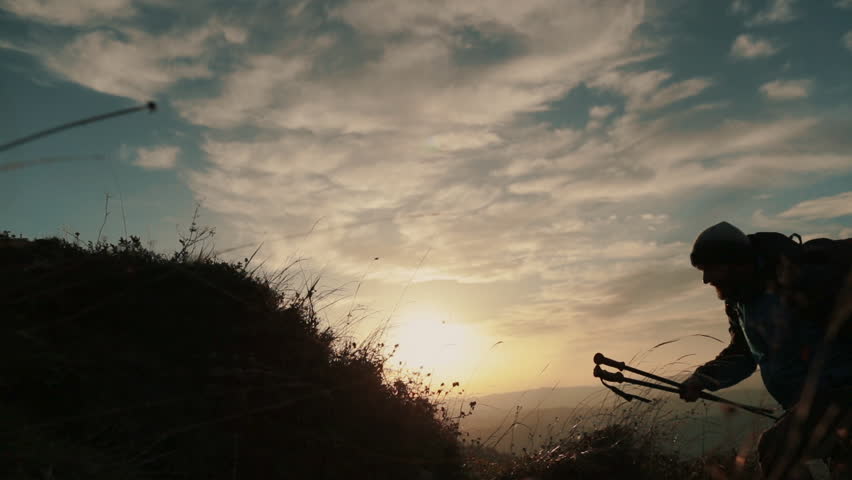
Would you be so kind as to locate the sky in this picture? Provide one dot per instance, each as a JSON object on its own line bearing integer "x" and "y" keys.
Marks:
{"x": 503, "y": 188}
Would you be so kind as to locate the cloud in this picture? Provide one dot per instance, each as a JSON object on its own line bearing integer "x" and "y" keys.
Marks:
{"x": 416, "y": 80}
{"x": 843, "y": 3}
{"x": 711, "y": 106}
{"x": 157, "y": 158}
{"x": 821, "y": 208}
{"x": 601, "y": 111}
{"x": 463, "y": 140}
{"x": 655, "y": 219}
{"x": 786, "y": 89}
{"x": 526, "y": 205}
{"x": 251, "y": 96}
{"x": 649, "y": 286}
{"x": 778, "y": 11}
{"x": 139, "y": 69}
{"x": 847, "y": 40}
{"x": 672, "y": 326}
{"x": 597, "y": 115}
{"x": 748, "y": 46}
{"x": 676, "y": 92}
{"x": 538, "y": 185}
{"x": 70, "y": 13}
{"x": 544, "y": 23}
{"x": 645, "y": 90}
{"x": 130, "y": 62}
{"x": 739, "y": 7}
{"x": 628, "y": 288}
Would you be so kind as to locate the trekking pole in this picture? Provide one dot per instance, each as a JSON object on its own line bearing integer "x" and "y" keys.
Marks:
{"x": 619, "y": 377}
{"x": 150, "y": 106}
{"x": 600, "y": 359}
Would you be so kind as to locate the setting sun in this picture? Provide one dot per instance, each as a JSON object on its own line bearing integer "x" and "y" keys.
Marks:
{"x": 429, "y": 338}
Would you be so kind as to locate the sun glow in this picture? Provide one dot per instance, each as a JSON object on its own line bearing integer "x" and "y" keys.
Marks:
{"x": 429, "y": 338}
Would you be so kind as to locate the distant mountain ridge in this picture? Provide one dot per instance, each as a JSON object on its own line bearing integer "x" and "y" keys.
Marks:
{"x": 539, "y": 398}
{"x": 553, "y": 412}
{"x": 595, "y": 396}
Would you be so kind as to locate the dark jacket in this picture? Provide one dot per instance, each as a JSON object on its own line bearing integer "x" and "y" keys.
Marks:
{"x": 765, "y": 334}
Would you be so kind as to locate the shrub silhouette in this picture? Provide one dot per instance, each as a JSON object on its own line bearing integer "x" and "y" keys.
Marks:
{"x": 616, "y": 440}
{"x": 116, "y": 362}
{"x": 616, "y": 451}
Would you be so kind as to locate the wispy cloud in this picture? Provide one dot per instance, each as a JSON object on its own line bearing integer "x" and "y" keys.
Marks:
{"x": 597, "y": 115}
{"x": 70, "y": 13}
{"x": 821, "y": 208}
{"x": 677, "y": 92}
{"x": 645, "y": 90}
{"x": 601, "y": 111}
{"x": 778, "y": 11}
{"x": 130, "y": 62}
{"x": 634, "y": 290}
{"x": 843, "y": 3}
{"x": 786, "y": 89}
{"x": 749, "y": 46}
{"x": 418, "y": 81}
{"x": 157, "y": 158}
{"x": 739, "y": 7}
{"x": 847, "y": 40}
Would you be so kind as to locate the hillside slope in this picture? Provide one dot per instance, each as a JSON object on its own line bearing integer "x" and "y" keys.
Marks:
{"x": 119, "y": 363}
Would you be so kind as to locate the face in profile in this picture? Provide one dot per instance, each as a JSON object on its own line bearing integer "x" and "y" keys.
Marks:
{"x": 730, "y": 281}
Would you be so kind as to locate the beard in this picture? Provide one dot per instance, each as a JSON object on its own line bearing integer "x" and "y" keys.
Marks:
{"x": 734, "y": 293}
{"x": 727, "y": 294}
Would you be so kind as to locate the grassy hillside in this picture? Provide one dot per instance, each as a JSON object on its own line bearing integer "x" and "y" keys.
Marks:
{"x": 116, "y": 362}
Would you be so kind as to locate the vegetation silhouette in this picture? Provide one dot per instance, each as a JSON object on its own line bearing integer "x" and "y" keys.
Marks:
{"x": 118, "y": 362}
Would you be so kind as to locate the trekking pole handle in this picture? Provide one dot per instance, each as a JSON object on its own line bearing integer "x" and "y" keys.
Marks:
{"x": 616, "y": 377}
{"x": 601, "y": 359}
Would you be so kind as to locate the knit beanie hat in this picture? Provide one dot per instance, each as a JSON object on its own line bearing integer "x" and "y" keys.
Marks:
{"x": 721, "y": 243}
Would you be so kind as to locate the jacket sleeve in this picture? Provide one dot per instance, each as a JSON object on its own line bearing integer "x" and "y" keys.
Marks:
{"x": 733, "y": 364}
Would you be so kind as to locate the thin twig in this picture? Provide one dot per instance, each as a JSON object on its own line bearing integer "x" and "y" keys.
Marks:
{"x": 252, "y": 256}
{"x": 106, "y": 214}
{"x": 121, "y": 202}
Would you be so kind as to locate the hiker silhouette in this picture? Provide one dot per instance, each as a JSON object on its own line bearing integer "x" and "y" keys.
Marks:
{"x": 788, "y": 307}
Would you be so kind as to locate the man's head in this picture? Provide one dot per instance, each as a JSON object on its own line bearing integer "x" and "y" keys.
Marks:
{"x": 725, "y": 255}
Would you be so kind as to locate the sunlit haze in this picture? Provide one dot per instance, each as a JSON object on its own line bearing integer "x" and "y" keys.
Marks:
{"x": 429, "y": 338}
{"x": 503, "y": 188}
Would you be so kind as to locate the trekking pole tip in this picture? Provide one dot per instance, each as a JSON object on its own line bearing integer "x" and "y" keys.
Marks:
{"x": 599, "y": 358}
{"x": 152, "y": 106}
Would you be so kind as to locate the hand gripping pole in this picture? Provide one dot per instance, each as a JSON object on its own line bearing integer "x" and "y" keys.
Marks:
{"x": 618, "y": 377}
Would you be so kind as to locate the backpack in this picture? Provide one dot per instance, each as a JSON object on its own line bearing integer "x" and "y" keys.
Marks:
{"x": 813, "y": 278}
